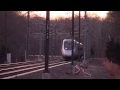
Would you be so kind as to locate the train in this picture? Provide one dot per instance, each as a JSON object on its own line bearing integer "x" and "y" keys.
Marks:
{"x": 66, "y": 49}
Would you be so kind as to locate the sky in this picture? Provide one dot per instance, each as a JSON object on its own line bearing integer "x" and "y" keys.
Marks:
{"x": 67, "y": 14}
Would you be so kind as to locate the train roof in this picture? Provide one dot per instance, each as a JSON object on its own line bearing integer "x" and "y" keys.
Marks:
{"x": 69, "y": 39}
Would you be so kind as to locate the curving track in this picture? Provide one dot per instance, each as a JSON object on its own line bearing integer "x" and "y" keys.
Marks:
{"x": 14, "y": 70}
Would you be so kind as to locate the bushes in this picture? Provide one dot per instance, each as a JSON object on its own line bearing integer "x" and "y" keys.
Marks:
{"x": 2, "y": 54}
{"x": 113, "y": 51}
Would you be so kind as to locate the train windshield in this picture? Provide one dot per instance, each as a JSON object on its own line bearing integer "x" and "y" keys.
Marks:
{"x": 68, "y": 45}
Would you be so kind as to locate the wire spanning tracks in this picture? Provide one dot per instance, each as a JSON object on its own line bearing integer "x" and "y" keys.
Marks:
{"x": 8, "y": 73}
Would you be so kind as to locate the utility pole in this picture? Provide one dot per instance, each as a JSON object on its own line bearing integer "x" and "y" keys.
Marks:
{"x": 72, "y": 37}
{"x": 85, "y": 44}
{"x": 41, "y": 44}
{"x": 79, "y": 26}
{"x": 79, "y": 34}
{"x": 87, "y": 38}
{"x": 6, "y": 35}
{"x": 27, "y": 39}
{"x": 47, "y": 41}
{"x": 55, "y": 39}
{"x": 73, "y": 67}
{"x": 52, "y": 48}
{"x": 46, "y": 74}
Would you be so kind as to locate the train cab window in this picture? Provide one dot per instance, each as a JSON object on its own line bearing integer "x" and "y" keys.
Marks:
{"x": 80, "y": 48}
{"x": 67, "y": 45}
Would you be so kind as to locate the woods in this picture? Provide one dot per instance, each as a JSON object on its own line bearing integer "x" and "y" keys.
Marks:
{"x": 14, "y": 31}
{"x": 113, "y": 45}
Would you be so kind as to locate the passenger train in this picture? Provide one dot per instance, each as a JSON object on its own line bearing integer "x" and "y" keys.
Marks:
{"x": 66, "y": 50}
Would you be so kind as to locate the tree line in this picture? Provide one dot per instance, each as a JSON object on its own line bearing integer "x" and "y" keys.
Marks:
{"x": 13, "y": 34}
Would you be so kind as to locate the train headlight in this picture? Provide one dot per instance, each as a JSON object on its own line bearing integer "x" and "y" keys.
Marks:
{"x": 65, "y": 48}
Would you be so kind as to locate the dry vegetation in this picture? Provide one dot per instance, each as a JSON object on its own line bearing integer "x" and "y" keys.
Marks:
{"x": 112, "y": 68}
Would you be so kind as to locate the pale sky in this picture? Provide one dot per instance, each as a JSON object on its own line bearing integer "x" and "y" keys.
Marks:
{"x": 68, "y": 14}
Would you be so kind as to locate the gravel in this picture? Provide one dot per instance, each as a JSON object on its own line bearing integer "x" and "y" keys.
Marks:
{"x": 94, "y": 67}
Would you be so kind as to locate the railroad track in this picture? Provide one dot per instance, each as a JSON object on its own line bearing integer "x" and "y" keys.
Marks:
{"x": 15, "y": 71}
{"x": 23, "y": 63}
{"x": 17, "y": 64}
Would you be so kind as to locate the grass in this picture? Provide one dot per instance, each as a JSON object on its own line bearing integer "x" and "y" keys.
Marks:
{"x": 112, "y": 68}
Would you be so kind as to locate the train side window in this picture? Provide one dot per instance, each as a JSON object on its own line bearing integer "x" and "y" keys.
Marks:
{"x": 80, "y": 48}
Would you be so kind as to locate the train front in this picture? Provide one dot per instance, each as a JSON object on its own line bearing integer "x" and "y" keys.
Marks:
{"x": 67, "y": 49}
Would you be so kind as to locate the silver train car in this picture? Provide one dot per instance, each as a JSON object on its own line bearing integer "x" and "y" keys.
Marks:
{"x": 66, "y": 50}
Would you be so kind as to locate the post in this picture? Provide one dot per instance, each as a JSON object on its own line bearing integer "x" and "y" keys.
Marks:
{"x": 79, "y": 26}
{"x": 55, "y": 42}
{"x": 27, "y": 38}
{"x": 9, "y": 57}
{"x": 40, "y": 46}
{"x": 79, "y": 35}
{"x": 25, "y": 55}
{"x": 52, "y": 46}
{"x": 47, "y": 42}
{"x": 73, "y": 67}
{"x": 72, "y": 37}
{"x": 39, "y": 41}
{"x": 84, "y": 40}
{"x": 6, "y": 35}
{"x": 46, "y": 74}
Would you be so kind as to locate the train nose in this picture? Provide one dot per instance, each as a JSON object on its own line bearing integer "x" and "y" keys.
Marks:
{"x": 68, "y": 52}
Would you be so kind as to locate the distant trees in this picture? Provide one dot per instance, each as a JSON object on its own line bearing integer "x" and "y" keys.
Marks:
{"x": 17, "y": 28}
{"x": 113, "y": 45}
{"x": 113, "y": 51}
{"x": 15, "y": 33}
{"x": 2, "y": 54}
{"x": 113, "y": 20}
